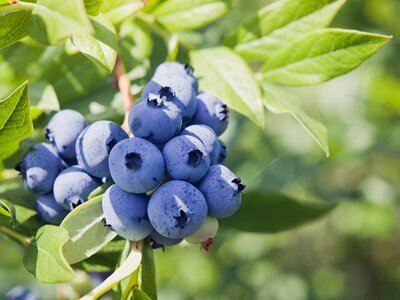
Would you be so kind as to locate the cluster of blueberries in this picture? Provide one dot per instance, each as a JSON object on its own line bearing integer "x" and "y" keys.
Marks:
{"x": 169, "y": 182}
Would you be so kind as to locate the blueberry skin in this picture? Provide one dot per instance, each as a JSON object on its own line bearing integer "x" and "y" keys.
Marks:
{"x": 73, "y": 186}
{"x": 161, "y": 241}
{"x": 223, "y": 152}
{"x": 211, "y": 111}
{"x": 39, "y": 168}
{"x": 136, "y": 165}
{"x": 94, "y": 144}
{"x": 126, "y": 213}
{"x": 222, "y": 189}
{"x": 63, "y": 130}
{"x": 155, "y": 120}
{"x": 176, "y": 89}
{"x": 49, "y": 210}
{"x": 186, "y": 158}
{"x": 21, "y": 293}
{"x": 208, "y": 137}
{"x": 177, "y": 209}
{"x": 173, "y": 67}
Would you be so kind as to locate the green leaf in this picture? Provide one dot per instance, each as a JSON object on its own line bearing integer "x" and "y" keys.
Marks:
{"x": 15, "y": 120}
{"x": 130, "y": 265}
{"x": 140, "y": 295}
{"x": 147, "y": 273}
{"x": 279, "y": 101}
{"x": 322, "y": 55}
{"x": 14, "y": 25}
{"x": 93, "y": 6}
{"x": 101, "y": 47}
{"x": 100, "y": 190}
{"x": 19, "y": 214}
{"x": 119, "y": 10}
{"x": 43, "y": 98}
{"x": 43, "y": 257}
{"x": 177, "y": 15}
{"x": 278, "y": 24}
{"x": 224, "y": 73}
{"x": 5, "y": 213}
{"x": 53, "y": 22}
{"x": 86, "y": 231}
{"x": 271, "y": 212}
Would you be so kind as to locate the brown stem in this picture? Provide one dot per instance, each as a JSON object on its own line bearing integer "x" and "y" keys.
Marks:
{"x": 124, "y": 86}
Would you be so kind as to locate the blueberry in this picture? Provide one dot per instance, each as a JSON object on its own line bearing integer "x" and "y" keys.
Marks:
{"x": 206, "y": 234}
{"x": 172, "y": 67}
{"x": 126, "y": 213}
{"x": 186, "y": 158}
{"x": 177, "y": 209}
{"x": 40, "y": 167}
{"x": 222, "y": 152}
{"x": 21, "y": 293}
{"x": 73, "y": 186}
{"x": 94, "y": 144}
{"x": 159, "y": 240}
{"x": 49, "y": 210}
{"x": 136, "y": 165}
{"x": 176, "y": 89}
{"x": 222, "y": 189}
{"x": 211, "y": 111}
{"x": 208, "y": 137}
{"x": 155, "y": 120}
{"x": 63, "y": 130}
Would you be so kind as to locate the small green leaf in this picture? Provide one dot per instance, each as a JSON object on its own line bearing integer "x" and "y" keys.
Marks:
{"x": 19, "y": 214}
{"x": 53, "y": 22}
{"x": 177, "y": 15}
{"x": 43, "y": 257}
{"x": 15, "y": 120}
{"x": 120, "y": 10}
{"x": 224, "y": 73}
{"x": 5, "y": 213}
{"x": 101, "y": 47}
{"x": 271, "y": 212}
{"x": 14, "y": 26}
{"x": 43, "y": 98}
{"x": 279, "y": 101}
{"x": 322, "y": 55}
{"x": 86, "y": 230}
{"x": 278, "y": 24}
{"x": 140, "y": 295}
{"x": 130, "y": 265}
{"x": 100, "y": 190}
{"x": 147, "y": 273}
{"x": 93, "y": 7}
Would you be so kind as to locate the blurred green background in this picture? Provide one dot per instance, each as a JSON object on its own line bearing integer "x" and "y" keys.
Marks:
{"x": 354, "y": 253}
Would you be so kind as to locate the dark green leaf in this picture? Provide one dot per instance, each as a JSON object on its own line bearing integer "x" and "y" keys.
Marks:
{"x": 43, "y": 257}
{"x": 147, "y": 274}
{"x": 271, "y": 212}
{"x": 322, "y": 55}
{"x": 224, "y": 73}
{"x": 93, "y": 6}
{"x": 278, "y": 24}
{"x": 15, "y": 121}
{"x": 140, "y": 295}
{"x": 176, "y": 15}
{"x": 101, "y": 46}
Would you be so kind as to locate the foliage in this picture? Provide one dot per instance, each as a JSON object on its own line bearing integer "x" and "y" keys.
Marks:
{"x": 67, "y": 51}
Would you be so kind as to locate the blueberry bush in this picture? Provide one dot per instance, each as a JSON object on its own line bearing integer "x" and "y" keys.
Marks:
{"x": 111, "y": 114}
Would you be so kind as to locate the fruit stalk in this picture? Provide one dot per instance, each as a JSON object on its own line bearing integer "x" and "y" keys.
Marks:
{"x": 24, "y": 240}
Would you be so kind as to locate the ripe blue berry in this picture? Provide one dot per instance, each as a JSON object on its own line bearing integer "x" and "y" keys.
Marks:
{"x": 208, "y": 137}
{"x": 39, "y": 168}
{"x": 49, "y": 210}
{"x": 186, "y": 158}
{"x": 73, "y": 186}
{"x": 21, "y": 293}
{"x": 159, "y": 240}
{"x": 176, "y": 89}
{"x": 155, "y": 120}
{"x": 126, "y": 213}
{"x": 136, "y": 165}
{"x": 94, "y": 144}
{"x": 222, "y": 152}
{"x": 211, "y": 111}
{"x": 63, "y": 130}
{"x": 222, "y": 189}
{"x": 171, "y": 67}
{"x": 177, "y": 209}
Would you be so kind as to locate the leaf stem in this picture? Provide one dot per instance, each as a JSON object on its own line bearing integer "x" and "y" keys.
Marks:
{"x": 22, "y": 239}
{"x": 16, "y": 5}
{"x": 124, "y": 86}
